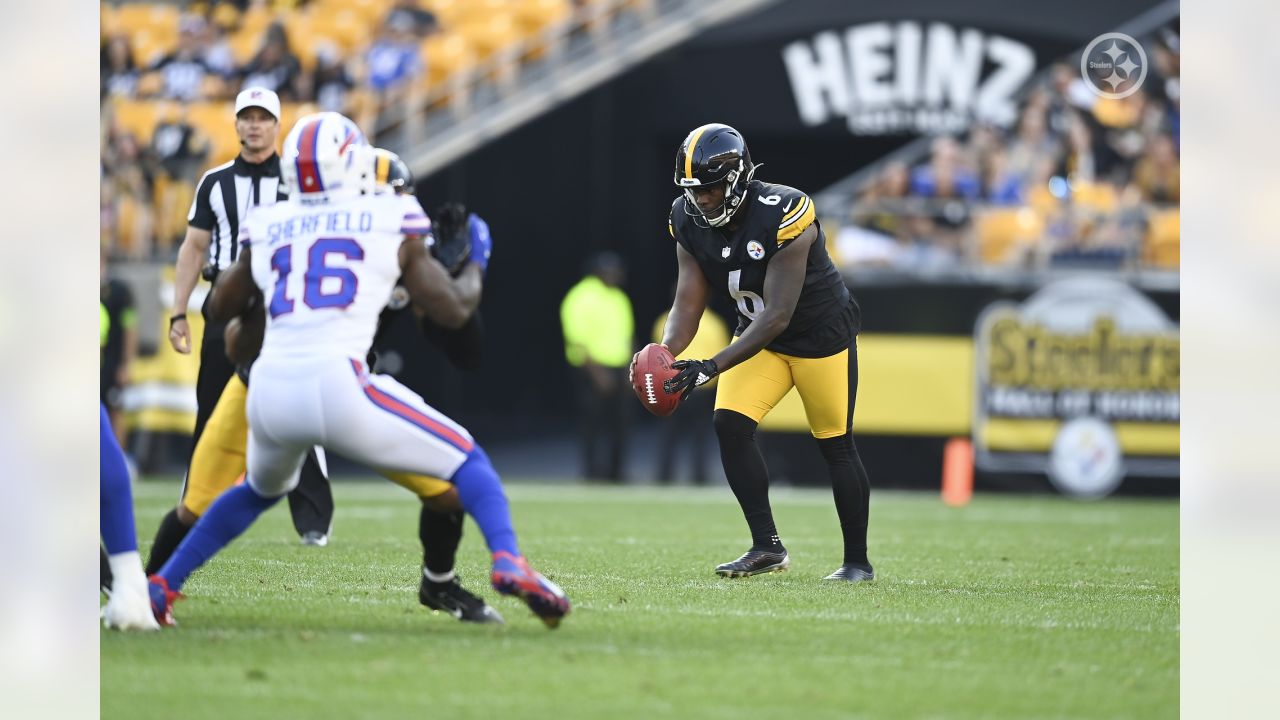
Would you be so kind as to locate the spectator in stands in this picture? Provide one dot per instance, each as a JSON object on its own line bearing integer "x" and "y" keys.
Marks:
{"x": 332, "y": 82}
{"x": 1000, "y": 186}
{"x": 274, "y": 67}
{"x": 945, "y": 176}
{"x": 118, "y": 74}
{"x": 1033, "y": 139}
{"x": 130, "y": 195}
{"x": 1157, "y": 173}
{"x": 424, "y": 21}
{"x": 880, "y": 206}
{"x": 183, "y": 71}
{"x": 393, "y": 60}
{"x": 178, "y": 148}
{"x": 217, "y": 51}
{"x": 390, "y": 65}
{"x": 1079, "y": 162}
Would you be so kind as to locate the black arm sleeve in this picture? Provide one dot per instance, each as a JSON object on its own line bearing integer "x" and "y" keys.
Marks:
{"x": 464, "y": 347}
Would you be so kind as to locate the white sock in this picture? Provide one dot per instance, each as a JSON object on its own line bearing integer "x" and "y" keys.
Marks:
{"x": 433, "y": 577}
{"x": 126, "y": 569}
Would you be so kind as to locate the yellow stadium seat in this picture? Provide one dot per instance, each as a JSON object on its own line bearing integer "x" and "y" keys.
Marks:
{"x": 216, "y": 120}
{"x": 476, "y": 10}
{"x": 290, "y": 114}
{"x": 536, "y": 15}
{"x": 1164, "y": 239}
{"x": 256, "y": 19}
{"x": 371, "y": 12}
{"x": 448, "y": 12}
{"x": 244, "y": 45}
{"x": 149, "y": 46}
{"x": 226, "y": 16}
{"x": 159, "y": 19}
{"x": 137, "y": 117}
{"x": 1001, "y": 230}
{"x": 109, "y": 23}
{"x": 443, "y": 55}
{"x": 1098, "y": 197}
{"x": 538, "y": 19}
{"x": 488, "y": 36}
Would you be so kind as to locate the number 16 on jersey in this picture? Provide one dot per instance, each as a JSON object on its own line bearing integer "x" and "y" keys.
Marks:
{"x": 339, "y": 292}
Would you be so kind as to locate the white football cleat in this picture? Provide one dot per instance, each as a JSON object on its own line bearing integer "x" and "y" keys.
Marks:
{"x": 129, "y": 608}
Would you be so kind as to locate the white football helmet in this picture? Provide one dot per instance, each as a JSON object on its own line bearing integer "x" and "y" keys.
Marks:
{"x": 320, "y": 154}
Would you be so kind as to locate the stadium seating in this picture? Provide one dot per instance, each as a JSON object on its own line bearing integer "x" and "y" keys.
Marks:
{"x": 1001, "y": 231}
{"x": 1164, "y": 239}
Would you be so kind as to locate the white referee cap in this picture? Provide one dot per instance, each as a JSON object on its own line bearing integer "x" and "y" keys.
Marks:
{"x": 259, "y": 97}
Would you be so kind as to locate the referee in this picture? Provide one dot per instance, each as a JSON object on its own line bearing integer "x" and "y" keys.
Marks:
{"x": 224, "y": 196}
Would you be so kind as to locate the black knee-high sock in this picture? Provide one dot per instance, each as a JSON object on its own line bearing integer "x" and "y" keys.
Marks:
{"x": 440, "y": 533}
{"x": 168, "y": 536}
{"x": 852, "y": 490}
{"x": 104, "y": 574}
{"x": 748, "y": 475}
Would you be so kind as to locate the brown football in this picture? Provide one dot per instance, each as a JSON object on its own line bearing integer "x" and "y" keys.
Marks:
{"x": 653, "y": 368}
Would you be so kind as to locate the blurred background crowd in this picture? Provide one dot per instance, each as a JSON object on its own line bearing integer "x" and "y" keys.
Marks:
{"x": 557, "y": 120}
{"x": 1080, "y": 180}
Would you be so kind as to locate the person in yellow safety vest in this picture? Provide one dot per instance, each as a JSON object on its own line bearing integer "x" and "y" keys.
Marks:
{"x": 599, "y": 330}
{"x": 693, "y": 422}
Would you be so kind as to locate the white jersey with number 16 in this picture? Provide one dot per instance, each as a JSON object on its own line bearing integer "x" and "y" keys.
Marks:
{"x": 327, "y": 270}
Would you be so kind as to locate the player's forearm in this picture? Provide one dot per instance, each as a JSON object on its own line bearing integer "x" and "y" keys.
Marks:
{"x": 762, "y": 331}
{"x": 682, "y": 325}
{"x": 130, "y": 352}
{"x": 187, "y": 272}
{"x": 464, "y": 298}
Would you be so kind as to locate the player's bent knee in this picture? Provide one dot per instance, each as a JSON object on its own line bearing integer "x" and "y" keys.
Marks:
{"x": 274, "y": 488}
{"x": 733, "y": 424}
{"x": 445, "y": 502}
{"x": 828, "y": 433}
{"x": 186, "y": 516}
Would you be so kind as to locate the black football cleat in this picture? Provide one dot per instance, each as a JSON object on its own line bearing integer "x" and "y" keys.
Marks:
{"x": 755, "y": 562}
{"x": 853, "y": 573}
{"x": 456, "y": 600}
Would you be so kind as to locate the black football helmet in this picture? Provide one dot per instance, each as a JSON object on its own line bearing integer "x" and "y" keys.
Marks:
{"x": 391, "y": 173}
{"x": 713, "y": 154}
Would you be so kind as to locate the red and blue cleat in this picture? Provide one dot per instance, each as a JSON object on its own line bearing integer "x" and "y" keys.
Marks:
{"x": 513, "y": 576}
{"x": 162, "y": 599}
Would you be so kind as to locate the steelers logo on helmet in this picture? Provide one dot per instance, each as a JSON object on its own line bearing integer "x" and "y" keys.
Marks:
{"x": 712, "y": 156}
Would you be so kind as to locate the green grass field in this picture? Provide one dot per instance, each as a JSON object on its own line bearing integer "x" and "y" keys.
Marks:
{"x": 1015, "y": 607}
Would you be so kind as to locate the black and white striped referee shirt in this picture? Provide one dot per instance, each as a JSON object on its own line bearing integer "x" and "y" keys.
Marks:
{"x": 224, "y": 197}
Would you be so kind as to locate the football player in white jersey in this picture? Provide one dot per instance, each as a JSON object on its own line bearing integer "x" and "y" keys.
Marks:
{"x": 323, "y": 266}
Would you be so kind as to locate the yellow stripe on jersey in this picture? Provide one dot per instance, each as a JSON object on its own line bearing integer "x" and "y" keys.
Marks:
{"x": 796, "y": 221}
{"x": 688, "y": 152}
{"x": 671, "y": 228}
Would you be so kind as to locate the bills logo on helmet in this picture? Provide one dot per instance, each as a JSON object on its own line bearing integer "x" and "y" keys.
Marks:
{"x": 316, "y": 159}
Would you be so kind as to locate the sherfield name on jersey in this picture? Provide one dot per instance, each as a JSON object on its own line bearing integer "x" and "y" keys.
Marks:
{"x": 326, "y": 272}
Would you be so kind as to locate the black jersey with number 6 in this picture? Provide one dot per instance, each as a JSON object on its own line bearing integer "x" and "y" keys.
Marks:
{"x": 734, "y": 262}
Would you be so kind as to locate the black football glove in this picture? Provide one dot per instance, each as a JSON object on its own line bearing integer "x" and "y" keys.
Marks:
{"x": 692, "y": 374}
{"x": 453, "y": 237}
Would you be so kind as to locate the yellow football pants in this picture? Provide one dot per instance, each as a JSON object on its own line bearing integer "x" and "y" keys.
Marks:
{"x": 757, "y": 385}
{"x": 219, "y": 458}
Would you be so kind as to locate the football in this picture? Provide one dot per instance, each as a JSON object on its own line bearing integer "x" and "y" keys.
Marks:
{"x": 653, "y": 368}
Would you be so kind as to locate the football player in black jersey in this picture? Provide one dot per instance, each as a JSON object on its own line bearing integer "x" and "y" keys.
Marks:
{"x": 761, "y": 244}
